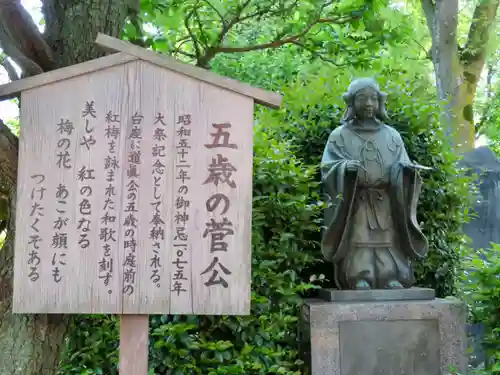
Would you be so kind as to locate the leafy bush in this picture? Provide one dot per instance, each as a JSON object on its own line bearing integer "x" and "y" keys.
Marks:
{"x": 482, "y": 292}
{"x": 92, "y": 346}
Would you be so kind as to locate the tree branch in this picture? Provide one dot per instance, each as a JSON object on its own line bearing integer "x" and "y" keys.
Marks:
{"x": 215, "y": 10}
{"x": 180, "y": 43}
{"x": 203, "y": 38}
{"x": 281, "y": 42}
{"x": 430, "y": 12}
{"x": 238, "y": 18}
{"x": 268, "y": 12}
{"x": 21, "y": 40}
{"x": 190, "y": 32}
{"x": 229, "y": 25}
{"x": 187, "y": 54}
{"x": 9, "y": 68}
{"x": 135, "y": 19}
{"x": 479, "y": 32}
{"x": 318, "y": 55}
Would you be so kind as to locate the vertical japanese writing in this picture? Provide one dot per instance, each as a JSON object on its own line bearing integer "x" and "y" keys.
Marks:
{"x": 157, "y": 232}
{"x": 60, "y": 237}
{"x": 86, "y": 175}
{"x": 181, "y": 203}
{"x": 220, "y": 172}
{"x": 88, "y": 113}
{"x": 37, "y": 212}
{"x": 108, "y": 229}
{"x": 65, "y": 129}
{"x": 131, "y": 211}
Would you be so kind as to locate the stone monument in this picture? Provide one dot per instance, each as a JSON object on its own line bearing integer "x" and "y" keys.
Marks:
{"x": 376, "y": 322}
{"x": 485, "y": 227}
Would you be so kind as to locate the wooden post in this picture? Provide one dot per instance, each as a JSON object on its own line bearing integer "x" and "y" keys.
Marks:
{"x": 134, "y": 332}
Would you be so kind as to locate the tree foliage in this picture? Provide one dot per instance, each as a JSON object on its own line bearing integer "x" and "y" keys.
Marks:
{"x": 459, "y": 60}
{"x": 482, "y": 292}
{"x": 342, "y": 32}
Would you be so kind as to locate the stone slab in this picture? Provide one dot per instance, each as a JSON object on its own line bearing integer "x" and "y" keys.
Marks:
{"x": 484, "y": 228}
{"x": 382, "y": 356}
{"x": 419, "y": 337}
{"x": 377, "y": 294}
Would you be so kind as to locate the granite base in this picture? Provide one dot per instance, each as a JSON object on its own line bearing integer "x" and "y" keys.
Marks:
{"x": 416, "y": 337}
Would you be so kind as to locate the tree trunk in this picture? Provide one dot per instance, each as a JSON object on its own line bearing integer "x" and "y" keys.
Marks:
{"x": 442, "y": 21}
{"x": 457, "y": 70}
{"x": 72, "y": 26}
{"x": 31, "y": 344}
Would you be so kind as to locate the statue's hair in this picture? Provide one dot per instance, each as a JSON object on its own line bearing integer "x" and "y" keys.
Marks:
{"x": 354, "y": 87}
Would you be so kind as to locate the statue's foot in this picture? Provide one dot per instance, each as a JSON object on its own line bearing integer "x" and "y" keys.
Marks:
{"x": 394, "y": 284}
{"x": 362, "y": 285}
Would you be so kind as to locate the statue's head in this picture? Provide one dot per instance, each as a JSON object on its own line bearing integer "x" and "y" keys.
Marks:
{"x": 364, "y": 101}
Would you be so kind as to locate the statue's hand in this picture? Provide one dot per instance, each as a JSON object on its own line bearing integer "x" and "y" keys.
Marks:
{"x": 415, "y": 166}
{"x": 354, "y": 165}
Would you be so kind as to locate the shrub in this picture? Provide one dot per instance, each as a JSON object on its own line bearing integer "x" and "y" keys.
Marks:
{"x": 481, "y": 289}
{"x": 92, "y": 346}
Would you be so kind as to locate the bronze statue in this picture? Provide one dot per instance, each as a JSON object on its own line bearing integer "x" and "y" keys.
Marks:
{"x": 371, "y": 233}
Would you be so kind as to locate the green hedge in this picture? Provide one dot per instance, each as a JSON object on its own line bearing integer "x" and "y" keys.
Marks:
{"x": 482, "y": 292}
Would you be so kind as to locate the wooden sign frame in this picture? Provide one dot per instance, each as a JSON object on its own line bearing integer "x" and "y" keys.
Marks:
{"x": 134, "y": 319}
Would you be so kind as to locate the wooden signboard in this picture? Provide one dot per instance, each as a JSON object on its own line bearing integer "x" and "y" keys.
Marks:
{"x": 134, "y": 189}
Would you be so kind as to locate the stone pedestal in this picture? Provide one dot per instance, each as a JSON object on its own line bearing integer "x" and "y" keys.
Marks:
{"x": 392, "y": 337}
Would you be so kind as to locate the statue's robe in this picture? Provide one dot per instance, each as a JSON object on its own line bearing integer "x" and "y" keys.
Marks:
{"x": 371, "y": 231}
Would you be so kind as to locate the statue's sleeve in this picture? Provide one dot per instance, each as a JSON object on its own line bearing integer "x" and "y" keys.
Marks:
{"x": 339, "y": 185}
{"x": 406, "y": 185}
